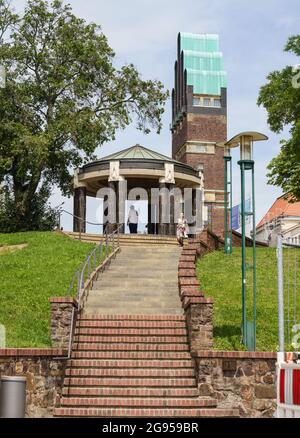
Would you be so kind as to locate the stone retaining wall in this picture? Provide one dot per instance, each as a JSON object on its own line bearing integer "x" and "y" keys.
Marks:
{"x": 198, "y": 309}
{"x": 243, "y": 380}
{"x": 61, "y": 320}
{"x": 44, "y": 371}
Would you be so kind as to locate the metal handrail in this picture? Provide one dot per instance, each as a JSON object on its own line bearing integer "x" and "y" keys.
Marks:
{"x": 81, "y": 219}
{"x": 89, "y": 271}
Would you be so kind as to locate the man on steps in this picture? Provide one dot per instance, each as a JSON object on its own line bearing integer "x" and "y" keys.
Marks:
{"x": 133, "y": 219}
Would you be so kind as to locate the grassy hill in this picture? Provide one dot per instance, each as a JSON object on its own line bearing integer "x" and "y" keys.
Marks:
{"x": 220, "y": 278}
{"x": 41, "y": 266}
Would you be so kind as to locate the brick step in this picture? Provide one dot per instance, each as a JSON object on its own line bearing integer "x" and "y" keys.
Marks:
{"x": 189, "y": 282}
{"x": 86, "y": 363}
{"x": 132, "y": 382}
{"x": 186, "y": 265}
{"x": 131, "y": 331}
{"x": 127, "y": 239}
{"x": 137, "y": 284}
{"x": 150, "y": 310}
{"x": 138, "y": 402}
{"x": 133, "y": 355}
{"x": 193, "y": 246}
{"x": 139, "y": 279}
{"x": 125, "y": 236}
{"x": 120, "y": 299}
{"x": 127, "y": 317}
{"x": 164, "y": 245}
{"x": 187, "y": 258}
{"x": 163, "y": 275}
{"x": 150, "y": 292}
{"x": 150, "y": 286}
{"x": 187, "y": 272}
{"x": 141, "y": 269}
{"x": 130, "y": 372}
{"x": 151, "y": 245}
{"x": 136, "y": 412}
{"x": 144, "y": 264}
{"x": 134, "y": 339}
{"x": 157, "y": 261}
{"x": 142, "y": 249}
{"x": 83, "y": 323}
{"x": 160, "y": 266}
{"x": 130, "y": 392}
{"x": 151, "y": 255}
{"x": 141, "y": 347}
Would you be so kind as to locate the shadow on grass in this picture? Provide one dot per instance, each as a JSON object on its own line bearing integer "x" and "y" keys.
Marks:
{"x": 226, "y": 331}
{"x": 227, "y": 337}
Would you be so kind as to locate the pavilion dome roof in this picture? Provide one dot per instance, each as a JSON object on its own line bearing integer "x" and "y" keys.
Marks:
{"x": 138, "y": 152}
{"x": 138, "y": 157}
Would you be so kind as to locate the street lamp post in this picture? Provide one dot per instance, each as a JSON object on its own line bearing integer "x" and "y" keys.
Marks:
{"x": 245, "y": 141}
{"x": 227, "y": 202}
{"x": 227, "y": 198}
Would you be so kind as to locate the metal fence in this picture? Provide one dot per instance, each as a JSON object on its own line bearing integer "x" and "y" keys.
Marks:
{"x": 288, "y": 274}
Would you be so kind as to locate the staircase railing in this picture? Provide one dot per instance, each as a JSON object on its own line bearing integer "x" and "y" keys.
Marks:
{"x": 83, "y": 279}
{"x": 81, "y": 222}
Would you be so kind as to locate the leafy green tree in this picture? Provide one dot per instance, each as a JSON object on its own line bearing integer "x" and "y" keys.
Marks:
{"x": 41, "y": 217}
{"x": 281, "y": 98}
{"x": 63, "y": 98}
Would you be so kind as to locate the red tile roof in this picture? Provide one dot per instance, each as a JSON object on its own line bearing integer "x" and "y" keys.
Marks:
{"x": 281, "y": 207}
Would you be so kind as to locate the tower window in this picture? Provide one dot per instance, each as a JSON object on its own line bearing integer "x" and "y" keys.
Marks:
{"x": 207, "y": 101}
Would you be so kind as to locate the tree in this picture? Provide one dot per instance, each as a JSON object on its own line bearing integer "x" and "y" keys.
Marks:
{"x": 63, "y": 98}
{"x": 281, "y": 98}
{"x": 41, "y": 216}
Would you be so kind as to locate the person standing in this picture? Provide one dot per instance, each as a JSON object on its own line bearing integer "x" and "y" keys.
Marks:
{"x": 133, "y": 219}
{"x": 182, "y": 229}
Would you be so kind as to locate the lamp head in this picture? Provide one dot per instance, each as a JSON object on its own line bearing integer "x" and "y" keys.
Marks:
{"x": 245, "y": 140}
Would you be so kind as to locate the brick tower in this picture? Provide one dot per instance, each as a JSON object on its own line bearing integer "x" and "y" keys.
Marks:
{"x": 199, "y": 116}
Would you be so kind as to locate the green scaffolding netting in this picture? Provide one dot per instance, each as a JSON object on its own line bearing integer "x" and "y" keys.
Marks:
{"x": 203, "y": 62}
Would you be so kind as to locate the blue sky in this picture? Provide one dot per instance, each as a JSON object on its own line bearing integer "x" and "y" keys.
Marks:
{"x": 252, "y": 37}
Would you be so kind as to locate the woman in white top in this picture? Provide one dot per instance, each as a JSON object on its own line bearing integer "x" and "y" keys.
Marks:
{"x": 133, "y": 219}
{"x": 182, "y": 229}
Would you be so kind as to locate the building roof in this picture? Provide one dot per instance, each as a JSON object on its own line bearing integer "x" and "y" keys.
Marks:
{"x": 203, "y": 62}
{"x": 138, "y": 152}
{"x": 281, "y": 207}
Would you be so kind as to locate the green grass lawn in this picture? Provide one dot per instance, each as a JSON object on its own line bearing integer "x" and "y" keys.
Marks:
{"x": 220, "y": 278}
{"x": 29, "y": 276}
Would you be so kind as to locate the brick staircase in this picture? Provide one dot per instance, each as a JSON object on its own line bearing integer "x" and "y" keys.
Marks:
{"x": 130, "y": 353}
